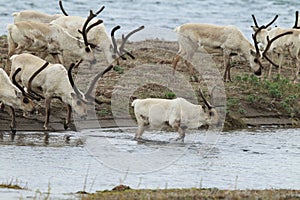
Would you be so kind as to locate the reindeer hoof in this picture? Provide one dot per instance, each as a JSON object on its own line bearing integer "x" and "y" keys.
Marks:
{"x": 13, "y": 130}
{"x": 180, "y": 139}
{"x": 66, "y": 126}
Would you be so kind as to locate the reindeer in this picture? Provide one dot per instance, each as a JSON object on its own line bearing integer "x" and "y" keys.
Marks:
{"x": 12, "y": 95}
{"x": 229, "y": 39}
{"x": 47, "y": 39}
{"x": 177, "y": 113}
{"x": 279, "y": 45}
{"x": 52, "y": 81}
{"x": 97, "y": 36}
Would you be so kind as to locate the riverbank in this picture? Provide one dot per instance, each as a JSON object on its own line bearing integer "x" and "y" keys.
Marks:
{"x": 124, "y": 192}
{"x": 250, "y": 101}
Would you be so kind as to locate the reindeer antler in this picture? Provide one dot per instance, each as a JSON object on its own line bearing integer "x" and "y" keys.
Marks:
{"x": 72, "y": 66}
{"x": 125, "y": 39}
{"x": 113, "y": 39}
{"x": 93, "y": 83}
{"x": 296, "y": 20}
{"x": 86, "y": 29}
{"x": 25, "y": 94}
{"x": 32, "y": 77}
{"x": 62, "y": 8}
{"x": 254, "y": 37}
{"x": 121, "y": 50}
{"x": 255, "y": 21}
{"x": 264, "y": 26}
{"x": 269, "y": 45}
{"x": 269, "y": 24}
{"x": 209, "y": 106}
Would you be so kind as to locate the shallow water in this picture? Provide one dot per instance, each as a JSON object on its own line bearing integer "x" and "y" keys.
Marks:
{"x": 165, "y": 13}
{"x": 235, "y": 160}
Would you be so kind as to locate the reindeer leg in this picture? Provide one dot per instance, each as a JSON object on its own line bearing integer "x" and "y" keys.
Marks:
{"x": 180, "y": 130}
{"x": 139, "y": 132}
{"x": 226, "y": 57}
{"x": 68, "y": 119}
{"x": 175, "y": 62}
{"x": 58, "y": 58}
{"x": 270, "y": 72}
{"x": 13, "y": 122}
{"x": 47, "y": 104}
{"x": 280, "y": 63}
{"x": 2, "y": 106}
{"x": 297, "y": 70}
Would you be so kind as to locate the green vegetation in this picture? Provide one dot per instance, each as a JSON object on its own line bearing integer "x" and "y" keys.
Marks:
{"x": 277, "y": 93}
{"x": 119, "y": 69}
{"x": 170, "y": 95}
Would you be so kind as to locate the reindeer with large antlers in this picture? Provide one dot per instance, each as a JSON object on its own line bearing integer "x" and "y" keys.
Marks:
{"x": 289, "y": 45}
{"x": 48, "y": 39}
{"x": 229, "y": 39}
{"x": 52, "y": 81}
{"x": 12, "y": 95}
{"x": 97, "y": 35}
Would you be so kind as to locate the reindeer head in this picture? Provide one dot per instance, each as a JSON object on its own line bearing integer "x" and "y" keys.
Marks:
{"x": 212, "y": 117}
{"x": 257, "y": 57}
{"x": 258, "y": 37}
{"x": 80, "y": 101}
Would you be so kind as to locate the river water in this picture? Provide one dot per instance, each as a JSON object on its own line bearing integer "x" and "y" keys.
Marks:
{"x": 259, "y": 159}
{"x": 165, "y": 13}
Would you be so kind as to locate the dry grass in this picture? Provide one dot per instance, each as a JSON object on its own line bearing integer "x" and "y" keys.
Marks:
{"x": 179, "y": 194}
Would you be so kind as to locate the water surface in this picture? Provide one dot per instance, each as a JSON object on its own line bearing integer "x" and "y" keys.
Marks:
{"x": 165, "y": 13}
{"x": 238, "y": 160}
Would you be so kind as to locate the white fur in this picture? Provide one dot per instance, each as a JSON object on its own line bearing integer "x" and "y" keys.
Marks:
{"x": 10, "y": 95}
{"x": 50, "y": 83}
{"x": 44, "y": 39}
{"x": 34, "y": 16}
{"x": 97, "y": 35}
{"x": 288, "y": 45}
{"x": 177, "y": 113}
{"x": 229, "y": 39}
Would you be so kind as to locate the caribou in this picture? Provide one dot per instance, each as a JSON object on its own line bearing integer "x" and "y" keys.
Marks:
{"x": 13, "y": 95}
{"x": 90, "y": 29}
{"x": 48, "y": 39}
{"x": 98, "y": 36}
{"x": 229, "y": 39}
{"x": 273, "y": 43}
{"x": 45, "y": 80}
{"x": 177, "y": 113}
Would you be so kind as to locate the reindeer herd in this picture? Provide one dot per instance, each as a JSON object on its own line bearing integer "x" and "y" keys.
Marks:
{"x": 34, "y": 36}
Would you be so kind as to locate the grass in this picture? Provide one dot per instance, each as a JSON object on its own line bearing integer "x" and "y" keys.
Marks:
{"x": 194, "y": 193}
{"x": 278, "y": 93}
{"x": 14, "y": 184}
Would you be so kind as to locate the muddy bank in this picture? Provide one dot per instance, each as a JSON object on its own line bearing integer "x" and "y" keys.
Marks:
{"x": 250, "y": 101}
